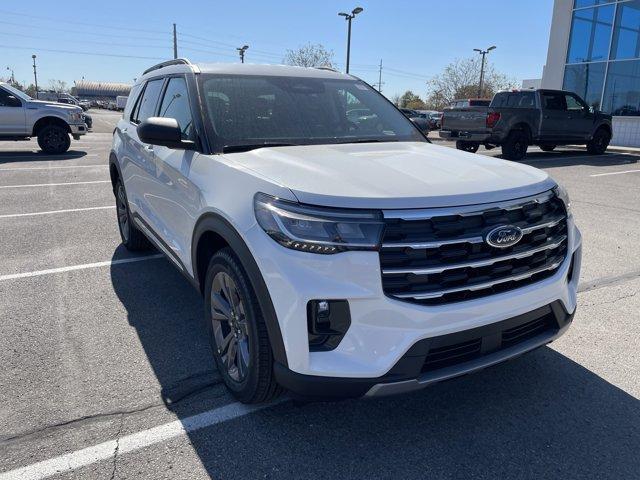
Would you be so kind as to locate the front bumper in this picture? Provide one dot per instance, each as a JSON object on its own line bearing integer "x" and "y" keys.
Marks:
{"x": 382, "y": 329}
{"x": 441, "y": 358}
{"x": 78, "y": 129}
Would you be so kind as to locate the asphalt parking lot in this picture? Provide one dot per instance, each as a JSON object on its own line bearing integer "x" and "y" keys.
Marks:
{"x": 106, "y": 372}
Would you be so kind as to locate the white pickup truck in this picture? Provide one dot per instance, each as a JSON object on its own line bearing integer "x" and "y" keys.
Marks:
{"x": 22, "y": 117}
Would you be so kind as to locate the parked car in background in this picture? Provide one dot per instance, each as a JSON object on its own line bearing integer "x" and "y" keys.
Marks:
{"x": 519, "y": 118}
{"x": 121, "y": 102}
{"x": 419, "y": 119}
{"x": 85, "y": 104}
{"x": 434, "y": 120}
{"x": 337, "y": 257}
{"x": 22, "y": 117}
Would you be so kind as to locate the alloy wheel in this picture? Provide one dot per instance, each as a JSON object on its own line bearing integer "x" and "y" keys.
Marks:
{"x": 230, "y": 327}
{"x": 123, "y": 214}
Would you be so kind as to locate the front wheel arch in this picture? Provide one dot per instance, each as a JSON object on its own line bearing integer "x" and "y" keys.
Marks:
{"x": 212, "y": 233}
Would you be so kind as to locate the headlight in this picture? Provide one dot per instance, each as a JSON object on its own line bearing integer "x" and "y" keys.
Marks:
{"x": 563, "y": 195}
{"x": 318, "y": 230}
{"x": 76, "y": 117}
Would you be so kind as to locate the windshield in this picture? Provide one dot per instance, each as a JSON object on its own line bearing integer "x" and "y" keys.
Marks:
{"x": 256, "y": 110}
{"x": 16, "y": 92}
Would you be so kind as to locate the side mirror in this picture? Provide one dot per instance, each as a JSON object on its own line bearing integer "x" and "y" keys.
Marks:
{"x": 164, "y": 132}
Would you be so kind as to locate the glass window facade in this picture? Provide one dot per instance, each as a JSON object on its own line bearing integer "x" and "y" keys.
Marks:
{"x": 603, "y": 56}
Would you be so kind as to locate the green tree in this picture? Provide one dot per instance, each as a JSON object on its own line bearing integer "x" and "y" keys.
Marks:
{"x": 411, "y": 100}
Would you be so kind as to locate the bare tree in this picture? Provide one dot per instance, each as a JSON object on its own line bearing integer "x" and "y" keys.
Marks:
{"x": 58, "y": 86}
{"x": 460, "y": 79}
{"x": 310, "y": 55}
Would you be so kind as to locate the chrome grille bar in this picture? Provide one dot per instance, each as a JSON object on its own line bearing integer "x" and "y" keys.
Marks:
{"x": 478, "y": 286}
{"x": 551, "y": 245}
{"x": 476, "y": 239}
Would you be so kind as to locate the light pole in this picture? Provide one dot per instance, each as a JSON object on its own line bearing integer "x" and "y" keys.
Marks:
{"x": 35, "y": 75}
{"x": 13, "y": 77}
{"x": 348, "y": 17}
{"x": 483, "y": 53}
{"x": 241, "y": 51}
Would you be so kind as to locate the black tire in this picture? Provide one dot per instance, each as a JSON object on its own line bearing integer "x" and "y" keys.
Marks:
{"x": 599, "y": 143}
{"x": 471, "y": 147}
{"x": 255, "y": 382}
{"x": 515, "y": 147}
{"x": 132, "y": 238}
{"x": 547, "y": 148}
{"x": 54, "y": 139}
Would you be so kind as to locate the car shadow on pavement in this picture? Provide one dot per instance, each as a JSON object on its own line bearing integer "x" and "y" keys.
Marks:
{"x": 37, "y": 155}
{"x": 569, "y": 158}
{"x": 539, "y": 416}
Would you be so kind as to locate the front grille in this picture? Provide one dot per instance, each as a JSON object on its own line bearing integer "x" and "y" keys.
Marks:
{"x": 440, "y": 256}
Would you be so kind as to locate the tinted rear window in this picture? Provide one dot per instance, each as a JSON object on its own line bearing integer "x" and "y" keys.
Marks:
{"x": 479, "y": 103}
{"x": 514, "y": 100}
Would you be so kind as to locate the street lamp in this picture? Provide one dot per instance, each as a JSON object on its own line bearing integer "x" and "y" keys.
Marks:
{"x": 483, "y": 53}
{"x": 241, "y": 51}
{"x": 35, "y": 75}
{"x": 348, "y": 17}
{"x": 13, "y": 77}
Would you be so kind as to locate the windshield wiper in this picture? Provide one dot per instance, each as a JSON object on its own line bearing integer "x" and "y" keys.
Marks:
{"x": 254, "y": 146}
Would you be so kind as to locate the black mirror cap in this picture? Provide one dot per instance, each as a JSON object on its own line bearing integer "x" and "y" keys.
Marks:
{"x": 13, "y": 101}
{"x": 164, "y": 132}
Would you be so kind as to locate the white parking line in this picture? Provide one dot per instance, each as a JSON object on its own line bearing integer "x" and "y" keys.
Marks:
{"x": 52, "y": 167}
{"x": 51, "y": 212}
{"x": 54, "y": 184}
{"x": 130, "y": 443}
{"x": 37, "y": 273}
{"x": 614, "y": 173}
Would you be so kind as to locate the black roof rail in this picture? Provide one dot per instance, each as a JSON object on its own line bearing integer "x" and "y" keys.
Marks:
{"x": 175, "y": 61}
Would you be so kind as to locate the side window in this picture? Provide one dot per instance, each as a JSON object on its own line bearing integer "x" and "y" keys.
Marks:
{"x": 573, "y": 103}
{"x": 527, "y": 100}
{"x": 175, "y": 104}
{"x": 8, "y": 100}
{"x": 553, "y": 101}
{"x": 132, "y": 101}
{"x": 147, "y": 105}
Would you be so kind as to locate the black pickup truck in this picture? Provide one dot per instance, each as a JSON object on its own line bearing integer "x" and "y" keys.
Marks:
{"x": 516, "y": 119}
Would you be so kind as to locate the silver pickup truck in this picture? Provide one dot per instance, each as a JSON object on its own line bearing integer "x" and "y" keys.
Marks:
{"x": 22, "y": 117}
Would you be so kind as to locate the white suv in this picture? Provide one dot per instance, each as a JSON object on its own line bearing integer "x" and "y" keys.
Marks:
{"x": 339, "y": 254}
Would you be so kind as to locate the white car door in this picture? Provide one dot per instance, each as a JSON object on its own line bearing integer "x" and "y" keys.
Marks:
{"x": 178, "y": 199}
{"x": 139, "y": 168}
{"x": 12, "y": 114}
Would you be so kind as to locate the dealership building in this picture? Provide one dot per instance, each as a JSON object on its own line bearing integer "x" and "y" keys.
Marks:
{"x": 594, "y": 50}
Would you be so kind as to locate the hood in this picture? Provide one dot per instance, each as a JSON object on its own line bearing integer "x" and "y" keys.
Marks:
{"x": 392, "y": 175}
{"x": 62, "y": 106}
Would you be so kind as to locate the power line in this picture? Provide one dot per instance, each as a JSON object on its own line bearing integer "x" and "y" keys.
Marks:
{"x": 85, "y": 24}
{"x": 75, "y": 52}
{"x": 75, "y": 41}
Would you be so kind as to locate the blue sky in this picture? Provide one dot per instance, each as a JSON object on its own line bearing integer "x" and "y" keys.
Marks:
{"x": 416, "y": 39}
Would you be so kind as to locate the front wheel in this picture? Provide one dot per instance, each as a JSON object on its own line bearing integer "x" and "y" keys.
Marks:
{"x": 471, "y": 147}
{"x": 515, "y": 147}
{"x": 237, "y": 331}
{"x": 132, "y": 238}
{"x": 599, "y": 143}
{"x": 54, "y": 139}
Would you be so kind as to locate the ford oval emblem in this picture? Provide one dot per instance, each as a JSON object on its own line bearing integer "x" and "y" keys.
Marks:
{"x": 504, "y": 236}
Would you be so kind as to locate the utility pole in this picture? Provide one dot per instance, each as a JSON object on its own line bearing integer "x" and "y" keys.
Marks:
{"x": 241, "y": 51}
{"x": 348, "y": 17}
{"x": 35, "y": 75}
{"x": 175, "y": 42}
{"x": 484, "y": 54}
{"x": 380, "y": 78}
